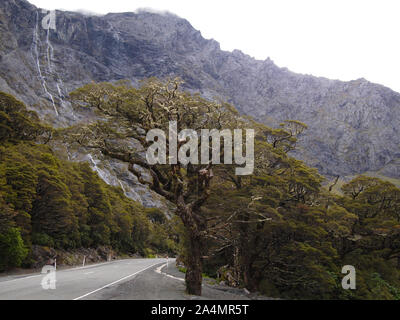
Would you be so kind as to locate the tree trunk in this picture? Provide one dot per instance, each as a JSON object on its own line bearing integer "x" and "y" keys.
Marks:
{"x": 194, "y": 267}
{"x": 248, "y": 276}
{"x": 195, "y": 225}
{"x": 236, "y": 266}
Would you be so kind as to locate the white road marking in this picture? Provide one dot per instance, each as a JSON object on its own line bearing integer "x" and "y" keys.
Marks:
{"x": 112, "y": 283}
{"x": 89, "y": 272}
{"x": 159, "y": 270}
{"x": 22, "y": 278}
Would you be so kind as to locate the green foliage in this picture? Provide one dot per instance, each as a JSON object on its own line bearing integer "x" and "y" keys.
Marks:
{"x": 50, "y": 202}
{"x": 17, "y": 123}
{"x": 12, "y": 249}
{"x": 277, "y": 231}
{"x": 280, "y": 233}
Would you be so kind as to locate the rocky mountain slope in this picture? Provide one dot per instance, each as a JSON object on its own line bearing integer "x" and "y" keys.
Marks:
{"x": 353, "y": 126}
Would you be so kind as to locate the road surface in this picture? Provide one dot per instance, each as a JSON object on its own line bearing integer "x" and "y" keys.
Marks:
{"x": 76, "y": 283}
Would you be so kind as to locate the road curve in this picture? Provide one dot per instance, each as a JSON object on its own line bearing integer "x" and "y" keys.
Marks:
{"x": 76, "y": 283}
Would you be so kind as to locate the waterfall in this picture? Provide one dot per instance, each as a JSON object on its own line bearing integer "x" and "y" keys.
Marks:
{"x": 68, "y": 153}
{"x": 59, "y": 91}
{"x": 36, "y": 48}
{"x": 50, "y": 58}
{"x": 49, "y": 50}
{"x": 122, "y": 186}
{"x": 102, "y": 174}
{"x": 53, "y": 72}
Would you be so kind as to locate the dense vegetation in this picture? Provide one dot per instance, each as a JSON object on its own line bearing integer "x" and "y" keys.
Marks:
{"x": 50, "y": 202}
{"x": 281, "y": 231}
{"x": 289, "y": 245}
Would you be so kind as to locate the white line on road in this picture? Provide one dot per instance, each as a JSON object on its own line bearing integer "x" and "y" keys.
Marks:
{"x": 112, "y": 283}
{"x": 25, "y": 276}
{"x": 22, "y": 278}
{"x": 159, "y": 270}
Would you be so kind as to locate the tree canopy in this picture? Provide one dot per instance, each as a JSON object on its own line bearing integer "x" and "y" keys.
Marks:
{"x": 280, "y": 231}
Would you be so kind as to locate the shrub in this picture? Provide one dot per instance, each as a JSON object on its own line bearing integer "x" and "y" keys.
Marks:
{"x": 12, "y": 249}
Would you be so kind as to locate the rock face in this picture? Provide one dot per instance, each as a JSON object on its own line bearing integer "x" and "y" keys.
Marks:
{"x": 353, "y": 126}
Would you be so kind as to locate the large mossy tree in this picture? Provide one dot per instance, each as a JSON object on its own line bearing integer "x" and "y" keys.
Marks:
{"x": 131, "y": 113}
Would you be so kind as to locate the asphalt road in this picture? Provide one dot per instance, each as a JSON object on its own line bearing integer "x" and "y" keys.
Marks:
{"x": 165, "y": 283}
{"x": 76, "y": 283}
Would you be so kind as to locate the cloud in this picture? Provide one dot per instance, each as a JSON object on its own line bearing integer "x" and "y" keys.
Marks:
{"x": 87, "y": 12}
{"x": 156, "y": 11}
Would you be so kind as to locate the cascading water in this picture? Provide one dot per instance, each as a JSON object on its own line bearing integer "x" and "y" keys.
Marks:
{"x": 122, "y": 186}
{"x": 36, "y": 43}
{"x": 49, "y": 50}
{"x": 97, "y": 169}
{"x": 51, "y": 70}
{"x": 103, "y": 175}
{"x": 47, "y": 70}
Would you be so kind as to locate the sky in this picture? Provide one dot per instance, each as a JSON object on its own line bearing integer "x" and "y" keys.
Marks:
{"x": 337, "y": 39}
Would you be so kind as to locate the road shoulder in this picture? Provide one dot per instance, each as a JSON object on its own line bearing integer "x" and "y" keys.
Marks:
{"x": 167, "y": 283}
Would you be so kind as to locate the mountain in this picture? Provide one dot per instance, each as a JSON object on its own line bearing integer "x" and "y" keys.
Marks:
{"x": 353, "y": 126}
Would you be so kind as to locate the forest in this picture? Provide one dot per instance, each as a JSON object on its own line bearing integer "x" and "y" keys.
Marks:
{"x": 50, "y": 202}
{"x": 283, "y": 231}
